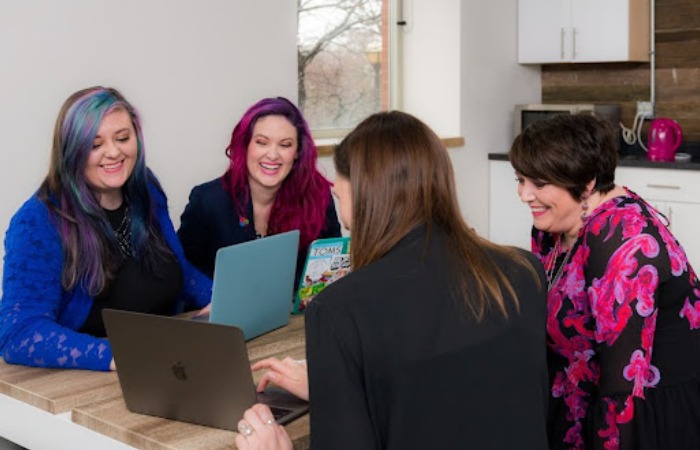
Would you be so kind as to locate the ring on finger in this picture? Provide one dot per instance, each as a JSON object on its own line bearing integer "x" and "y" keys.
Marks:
{"x": 270, "y": 422}
{"x": 245, "y": 429}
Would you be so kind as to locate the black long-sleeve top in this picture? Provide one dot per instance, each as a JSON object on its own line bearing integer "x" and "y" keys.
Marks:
{"x": 394, "y": 362}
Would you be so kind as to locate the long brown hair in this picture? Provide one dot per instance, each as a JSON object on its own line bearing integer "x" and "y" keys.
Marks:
{"x": 401, "y": 177}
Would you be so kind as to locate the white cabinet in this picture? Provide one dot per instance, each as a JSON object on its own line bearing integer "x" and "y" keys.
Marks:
{"x": 675, "y": 194}
{"x": 566, "y": 31}
{"x": 510, "y": 220}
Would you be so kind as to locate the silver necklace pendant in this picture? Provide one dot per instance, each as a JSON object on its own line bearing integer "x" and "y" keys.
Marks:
{"x": 552, "y": 276}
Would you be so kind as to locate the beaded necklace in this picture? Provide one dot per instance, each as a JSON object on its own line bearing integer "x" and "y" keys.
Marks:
{"x": 123, "y": 234}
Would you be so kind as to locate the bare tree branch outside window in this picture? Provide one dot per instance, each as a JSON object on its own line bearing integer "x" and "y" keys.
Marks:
{"x": 339, "y": 55}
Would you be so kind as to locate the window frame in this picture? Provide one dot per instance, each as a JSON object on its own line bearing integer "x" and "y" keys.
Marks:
{"x": 394, "y": 50}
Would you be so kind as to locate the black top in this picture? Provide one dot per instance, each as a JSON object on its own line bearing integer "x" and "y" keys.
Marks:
{"x": 210, "y": 221}
{"x": 133, "y": 289}
{"x": 394, "y": 362}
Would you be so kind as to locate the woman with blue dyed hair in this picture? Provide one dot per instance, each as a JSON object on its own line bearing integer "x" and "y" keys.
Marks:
{"x": 95, "y": 235}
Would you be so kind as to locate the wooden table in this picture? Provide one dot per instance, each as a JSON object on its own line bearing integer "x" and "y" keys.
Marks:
{"x": 35, "y": 406}
{"x": 94, "y": 403}
{"x": 110, "y": 416}
{"x": 56, "y": 390}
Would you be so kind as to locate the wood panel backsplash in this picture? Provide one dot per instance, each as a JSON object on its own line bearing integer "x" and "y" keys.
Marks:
{"x": 677, "y": 73}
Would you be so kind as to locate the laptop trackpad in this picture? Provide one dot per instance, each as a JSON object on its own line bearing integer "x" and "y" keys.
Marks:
{"x": 285, "y": 407}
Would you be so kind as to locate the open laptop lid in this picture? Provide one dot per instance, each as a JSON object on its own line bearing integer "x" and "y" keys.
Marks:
{"x": 185, "y": 370}
{"x": 254, "y": 283}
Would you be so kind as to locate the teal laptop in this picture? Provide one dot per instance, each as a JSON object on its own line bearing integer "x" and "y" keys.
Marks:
{"x": 254, "y": 284}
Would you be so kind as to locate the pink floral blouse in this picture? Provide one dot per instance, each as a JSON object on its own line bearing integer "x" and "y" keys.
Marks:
{"x": 622, "y": 319}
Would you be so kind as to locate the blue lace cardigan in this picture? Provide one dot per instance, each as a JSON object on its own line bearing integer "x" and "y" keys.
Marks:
{"x": 38, "y": 318}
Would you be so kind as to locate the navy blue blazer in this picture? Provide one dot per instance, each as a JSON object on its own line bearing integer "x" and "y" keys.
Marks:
{"x": 210, "y": 222}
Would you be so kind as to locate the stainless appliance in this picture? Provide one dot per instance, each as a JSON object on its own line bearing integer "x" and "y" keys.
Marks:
{"x": 525, "y": 114}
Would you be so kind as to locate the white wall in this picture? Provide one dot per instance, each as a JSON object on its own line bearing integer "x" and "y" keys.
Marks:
{"x": 460, "y": 76}
{"x": 431, "y": 63}
{"x": 193, "y": 67}
{"x": 492, "y": 82}
{"x": 190, "y": 67}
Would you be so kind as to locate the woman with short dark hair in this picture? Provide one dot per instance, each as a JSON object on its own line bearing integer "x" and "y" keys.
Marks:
{"x": 623, "y": 302}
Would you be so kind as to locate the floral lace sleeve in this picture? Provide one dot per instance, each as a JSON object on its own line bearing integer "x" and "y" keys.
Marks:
{"x": 197, "y": 286}
{"x": 35, "y": 325}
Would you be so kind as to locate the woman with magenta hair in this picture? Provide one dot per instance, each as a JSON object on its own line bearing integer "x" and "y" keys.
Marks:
{"x": 95, "y": 235}
{"x": 271, "y": 186}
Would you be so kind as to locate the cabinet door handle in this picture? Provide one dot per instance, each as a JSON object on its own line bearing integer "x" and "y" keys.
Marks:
{"x": 561, "y": 41}
{"x": 573, "y": 41}
{"x": 663, "y": 186}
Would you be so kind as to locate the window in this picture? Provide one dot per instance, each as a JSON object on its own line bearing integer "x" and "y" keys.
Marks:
{"x": 343, "y": 55}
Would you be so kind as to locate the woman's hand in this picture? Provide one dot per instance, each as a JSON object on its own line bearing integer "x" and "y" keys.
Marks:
{"x": 204, "y": 311}
{"x": 112, "y": 365}
{"x": 258, "y": 431}
{"x": 289, "y": 374}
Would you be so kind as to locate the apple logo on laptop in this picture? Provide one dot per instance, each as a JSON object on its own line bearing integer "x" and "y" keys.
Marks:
{"x": 179, "y": 371}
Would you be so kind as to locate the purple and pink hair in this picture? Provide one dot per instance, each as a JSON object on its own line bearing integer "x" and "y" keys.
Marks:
{"x": 303, "y": 197}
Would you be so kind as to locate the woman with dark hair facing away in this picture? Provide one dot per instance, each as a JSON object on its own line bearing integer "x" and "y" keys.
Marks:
{"x": 272, "y": 186}
{"x": 436, "y": 339}
{"x": 95, "y": 235}
{"x": 623, "y": 304}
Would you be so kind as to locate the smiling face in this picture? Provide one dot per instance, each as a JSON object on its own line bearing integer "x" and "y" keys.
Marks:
{"x": 343, "y": 192}
{"x": 553, "y": 208}
{"x": 271, "y": 153}
{"x": 112, "y": 158}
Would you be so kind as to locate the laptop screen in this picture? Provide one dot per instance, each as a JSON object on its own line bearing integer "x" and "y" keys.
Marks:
{"x": 254, "y": 283}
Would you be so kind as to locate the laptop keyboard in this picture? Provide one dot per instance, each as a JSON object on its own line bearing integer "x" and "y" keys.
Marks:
{"x": 278, "y": 412}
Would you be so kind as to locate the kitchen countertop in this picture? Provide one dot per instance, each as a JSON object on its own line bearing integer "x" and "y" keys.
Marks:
{"x": 634, "y": 156}
{"x": 630, "y": 161}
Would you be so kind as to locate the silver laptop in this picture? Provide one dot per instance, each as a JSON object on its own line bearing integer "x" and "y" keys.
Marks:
{"x": 254, "y": 284}
{"x": 187, "y": 370}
